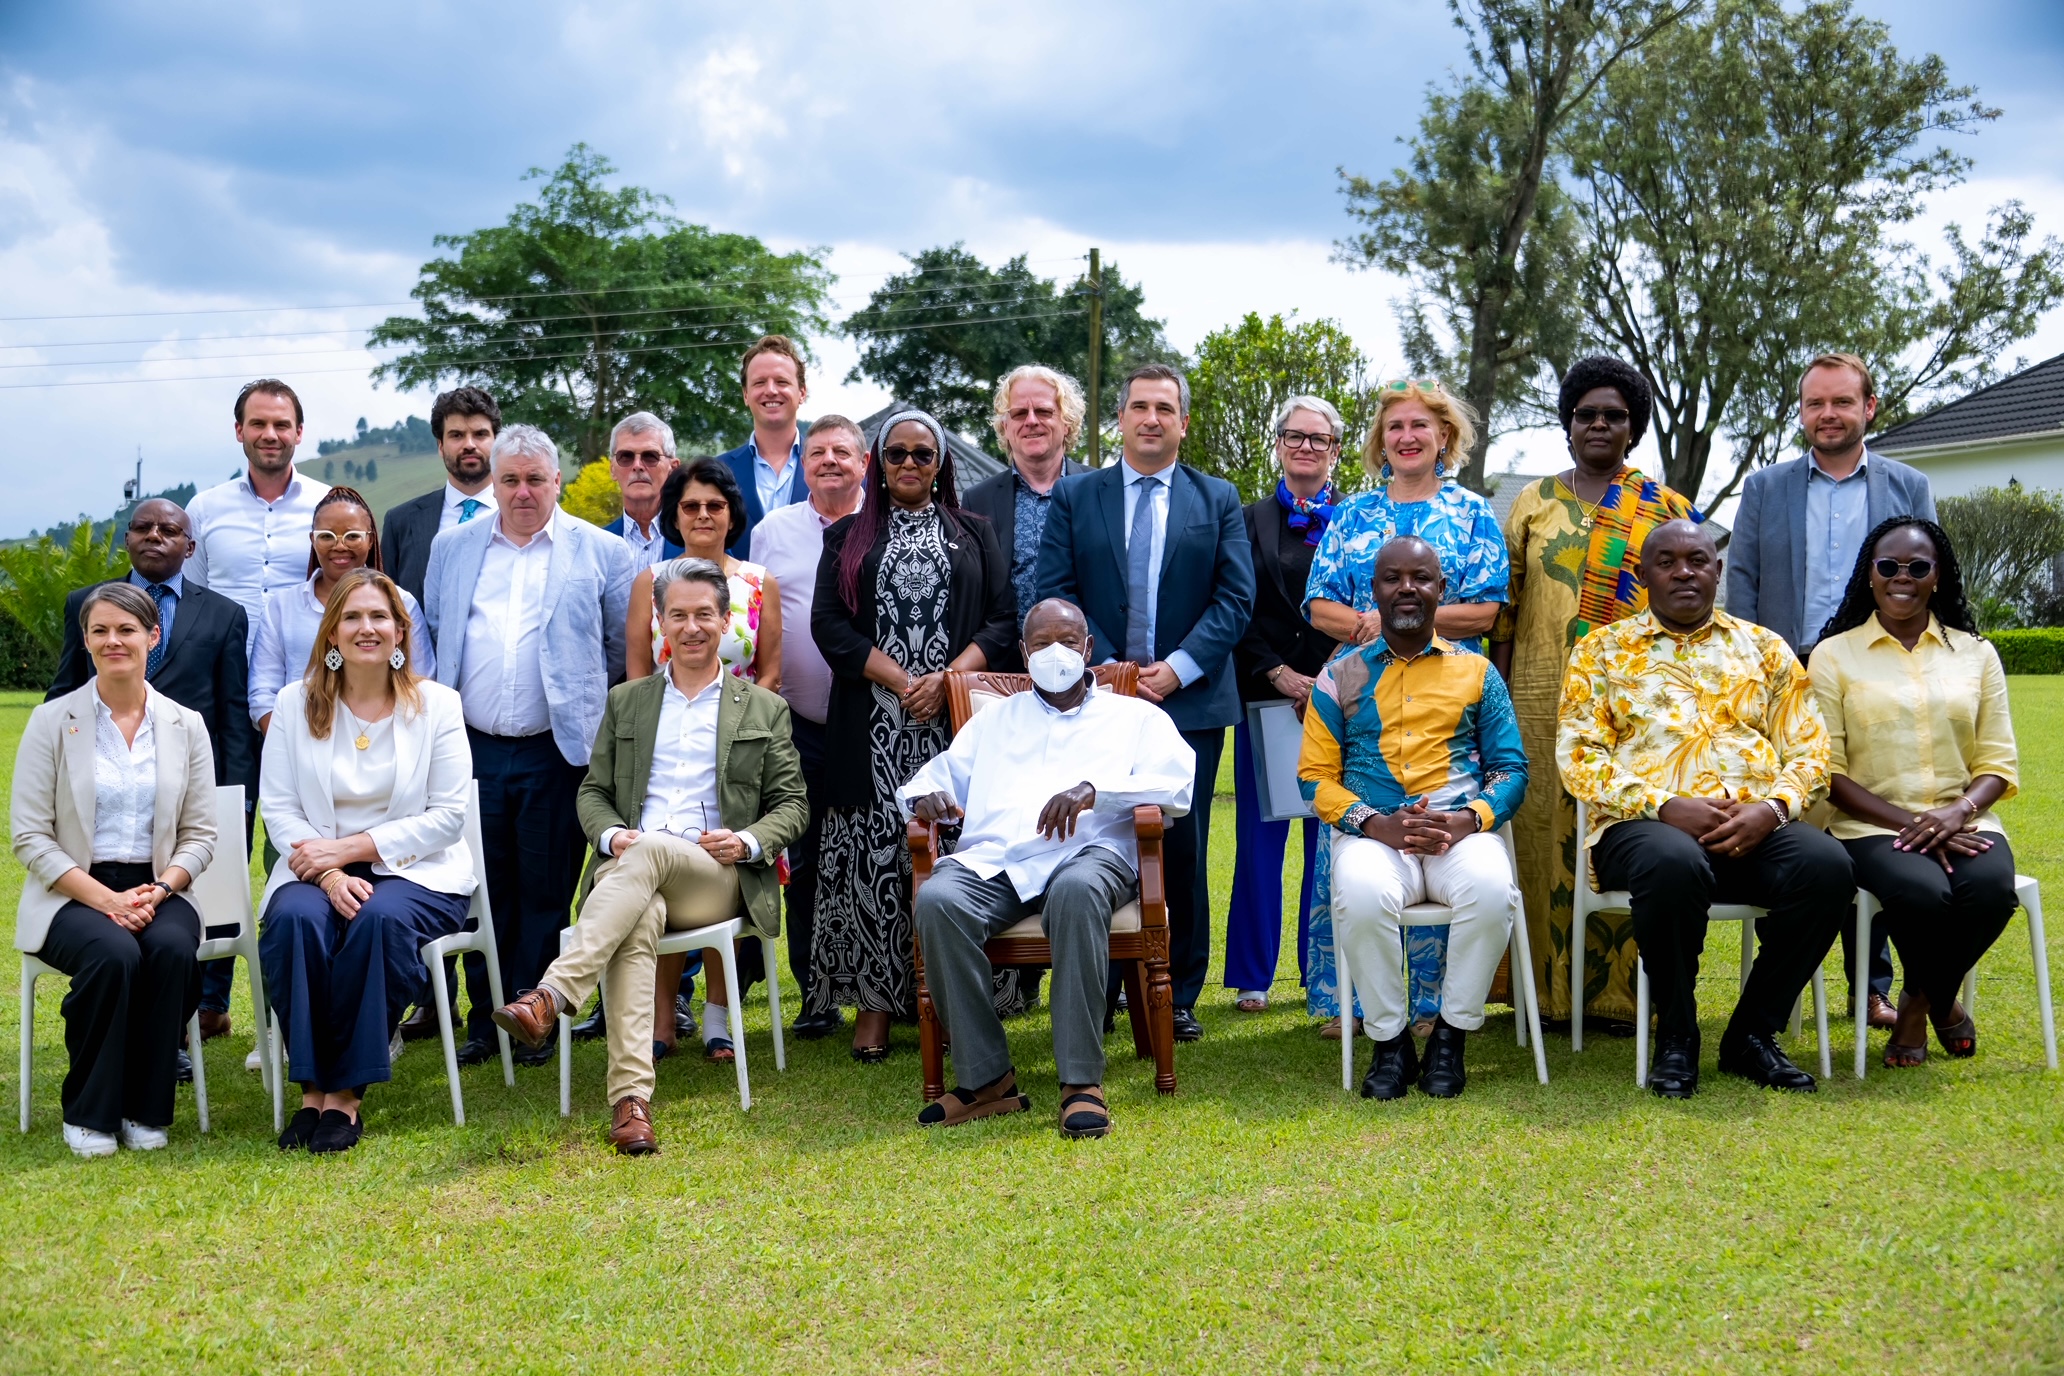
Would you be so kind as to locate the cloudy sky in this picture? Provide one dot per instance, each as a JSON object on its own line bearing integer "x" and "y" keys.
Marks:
{"x": 198, "y": 194}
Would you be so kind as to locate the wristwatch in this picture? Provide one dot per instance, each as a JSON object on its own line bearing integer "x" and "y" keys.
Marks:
{"x": 161, "y": 884}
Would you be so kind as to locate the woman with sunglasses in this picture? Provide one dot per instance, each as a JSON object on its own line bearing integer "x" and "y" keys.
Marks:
{"x": 1574, "y": 541}
{"x": 344, "y": 538}
{"x": 1916, "y": 708}
{"x": 908, "y": 588}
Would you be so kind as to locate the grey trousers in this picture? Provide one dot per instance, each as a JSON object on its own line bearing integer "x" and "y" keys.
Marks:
{"x": 958, "y": 910}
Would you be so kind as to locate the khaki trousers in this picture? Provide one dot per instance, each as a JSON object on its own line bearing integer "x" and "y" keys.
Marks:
{"x": 661, "y": 883}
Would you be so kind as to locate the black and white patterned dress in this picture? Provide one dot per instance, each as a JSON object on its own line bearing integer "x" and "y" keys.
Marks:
{"x": 861, "y": 948}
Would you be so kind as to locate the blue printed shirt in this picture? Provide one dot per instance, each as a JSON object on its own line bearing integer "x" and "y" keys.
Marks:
{"x": 1458, "y": 523}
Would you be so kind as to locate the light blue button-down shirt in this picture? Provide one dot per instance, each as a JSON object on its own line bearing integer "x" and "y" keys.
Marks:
{"x": 1837, "y": 519}
{"x": 1155, "y": 488}
{"x": 773, "y": 488}
{"x": 167, "y": 614}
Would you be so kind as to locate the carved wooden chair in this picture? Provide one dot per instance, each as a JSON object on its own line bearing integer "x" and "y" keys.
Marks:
{"x": 1139, "y": 930}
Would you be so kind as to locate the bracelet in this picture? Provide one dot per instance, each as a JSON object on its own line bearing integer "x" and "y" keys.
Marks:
{"x": 1967, "y": 801}
{"x": 1784, "y": 818}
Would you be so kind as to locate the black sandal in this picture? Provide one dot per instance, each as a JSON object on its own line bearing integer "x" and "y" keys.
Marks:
{"x": 1902, "y": 1057}
{"x": 1960, "y": 1038}
{"x": 1091, "y": 1120}
{"x": 719, "y": 1049}
{"x": 871, "y": 1055}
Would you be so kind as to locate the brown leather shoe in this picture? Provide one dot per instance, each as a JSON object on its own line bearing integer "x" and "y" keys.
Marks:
{"x": 420, "y": 1025}
{"x": 532, "y": 1019}
{"x": 213, "y": 1024}
{"x": 1879, "y": 1012}
{"x": 631, "y": 1128}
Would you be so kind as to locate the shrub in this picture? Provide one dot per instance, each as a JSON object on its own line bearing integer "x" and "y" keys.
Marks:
{"x": 25, "y": 662}
{"x": 593, "y": 495}
{"x": 2039, "y": 650}
{"x": 37, "y": 574}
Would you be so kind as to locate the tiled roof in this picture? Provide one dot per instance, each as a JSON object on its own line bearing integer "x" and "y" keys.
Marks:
{"x": 2031, "y": 402}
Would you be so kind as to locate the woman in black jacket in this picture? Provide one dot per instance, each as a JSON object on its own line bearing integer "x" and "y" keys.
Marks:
{"x": 909, "y": 587}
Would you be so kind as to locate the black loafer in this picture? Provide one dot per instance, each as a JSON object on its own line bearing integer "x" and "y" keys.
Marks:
{"x": 811, "y": 1026}
{"x": 1391, "y": 1069}
{"x": 1673, "y": 1071}
{"x": 182, "y": 1067}
{"x": 478, "y": 1051}
{"x": 594, "y": 1026}
{"x": 1187, "y": 1028}
{"x": 300, "y": 1129}
{"x": 1760, "y": 1060}
{"x": 684, "y": 1017}
{"x": 1442, "y": 1077}
{"x": 337, "y": 1131}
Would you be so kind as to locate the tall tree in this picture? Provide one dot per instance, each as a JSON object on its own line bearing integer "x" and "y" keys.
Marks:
{"x": 1744, "y": 180}
{"x": 941, "y": 334}
{"x": 1476, "y": 219}
{"x": 591, "y": 302}
{"x": 1239, "y": 377}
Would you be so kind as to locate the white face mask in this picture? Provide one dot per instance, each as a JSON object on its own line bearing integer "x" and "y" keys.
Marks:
{"x": 1055, "y": 667}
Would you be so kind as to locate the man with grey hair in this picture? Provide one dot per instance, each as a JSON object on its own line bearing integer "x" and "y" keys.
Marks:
{"x": 641, "y": 456}
{"x": 527, "y": 610}
{"x": 1039, "y": 416}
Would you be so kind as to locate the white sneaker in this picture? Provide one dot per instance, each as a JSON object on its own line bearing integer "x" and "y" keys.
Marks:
{"x": 394, "y": 1047}
{"x": 137, "y": 1137}
{"x": 256, "y": 1060}
{"x": 86, "y": 1142}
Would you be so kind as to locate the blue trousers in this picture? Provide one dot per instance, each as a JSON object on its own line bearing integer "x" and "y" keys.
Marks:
{"x": 535, "y": 847}
{"x": 341, "y": 985}
{"x": 1254, "y": 922}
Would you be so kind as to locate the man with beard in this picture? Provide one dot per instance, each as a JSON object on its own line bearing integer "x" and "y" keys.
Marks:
{"x": 465, "y": 421}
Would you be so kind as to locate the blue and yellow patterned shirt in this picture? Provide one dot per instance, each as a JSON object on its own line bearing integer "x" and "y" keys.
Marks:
{"x": 1382, "y": 732}
{"x": 1458, "y": 523}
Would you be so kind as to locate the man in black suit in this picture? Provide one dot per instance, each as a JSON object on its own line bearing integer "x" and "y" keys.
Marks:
{"x": 1156, "y": 555}
{"x": 199, "y": 664}
{"x": 465, "y": 421}
{"x": 1038, "y": 415}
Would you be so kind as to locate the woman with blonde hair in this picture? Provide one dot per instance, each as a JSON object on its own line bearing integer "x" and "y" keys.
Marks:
{"x": 365, "y": 785}
{"x": 1415, "y": 446}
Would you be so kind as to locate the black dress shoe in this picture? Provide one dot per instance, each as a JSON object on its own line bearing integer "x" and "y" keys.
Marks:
{"x": 182, "y": 1067}
{"x": 811, "y": 1026}
{"x": 1442, "y": 1077}
{"x": 421, "y": 1025}
{"x": 594, "y": 1026}
{"x": 337, "y": 1131}
{"x": 1673, "y": 1072}
{"x": 1758, "y": 1059}
{"x": 1187, "y": 1028}
{"x": 478, "y": 1051}
{"x": 535, "y": 1055}
{"x": 300, "y": 1129}
{"x": 684, "y": 1018}
{"x": 1392, "y": 1069}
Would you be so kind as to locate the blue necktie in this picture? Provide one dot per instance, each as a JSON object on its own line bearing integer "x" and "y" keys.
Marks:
{"x": 1139, "y": 564}
{"x": 469, "y": 508}
{"x": 161, "y": 595}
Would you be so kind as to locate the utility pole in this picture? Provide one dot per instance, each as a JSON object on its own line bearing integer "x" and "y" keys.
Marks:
{"x": 132, "y": 491}
{"x": 1096, "y": 358}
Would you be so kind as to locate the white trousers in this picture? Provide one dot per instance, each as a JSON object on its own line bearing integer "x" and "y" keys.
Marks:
{"x": 1372, "y": 887}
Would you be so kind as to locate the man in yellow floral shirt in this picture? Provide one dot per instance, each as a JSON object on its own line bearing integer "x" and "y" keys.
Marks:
{"x": 1696, "y": 741}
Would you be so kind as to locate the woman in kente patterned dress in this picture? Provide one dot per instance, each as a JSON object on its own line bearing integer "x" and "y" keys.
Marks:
{"x": 1415, "y": 445}
{"x": 1574, "y": 540}
{"x": 909, "y": 587}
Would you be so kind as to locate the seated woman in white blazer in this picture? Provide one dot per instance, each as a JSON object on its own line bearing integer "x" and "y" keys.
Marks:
{"x": 113, "y": 815}
{"x": 364, "y": 790}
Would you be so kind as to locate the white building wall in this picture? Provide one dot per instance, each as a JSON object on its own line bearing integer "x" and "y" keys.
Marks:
{"x": 1956, "y": 472}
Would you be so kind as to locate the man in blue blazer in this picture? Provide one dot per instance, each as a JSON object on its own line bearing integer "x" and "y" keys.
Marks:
{"x": 769, "y": 466}
{"x": 1156, "y": 555}
{"x": 531, "y": 608}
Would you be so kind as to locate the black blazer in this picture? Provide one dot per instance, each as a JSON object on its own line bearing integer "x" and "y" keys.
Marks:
{"x": 1278, "y": 634}
{"x": 405, "y": 540}
{"x": 978, "y": 612}
{"x": 204, "y": 671}
{"x": 1207, "y": 578}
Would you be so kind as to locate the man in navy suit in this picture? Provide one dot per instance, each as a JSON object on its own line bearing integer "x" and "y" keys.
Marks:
{"x": 1156, "y": 555}
{"x": 641, "y": 455}
{"x": 769, "y": 466}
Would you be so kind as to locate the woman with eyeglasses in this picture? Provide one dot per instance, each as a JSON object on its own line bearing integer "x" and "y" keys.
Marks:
{"x": 1574, "y": 542}
{"x": 1916, "y": 709}
{"x": 909, "y": 587}
{"x": 344, "y": 538}
{"x": 1415, "y": 445}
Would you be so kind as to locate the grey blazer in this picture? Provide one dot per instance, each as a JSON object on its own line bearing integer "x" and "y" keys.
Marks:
{"x": 1766, "y": 558}
{"x": 587, "y": 606}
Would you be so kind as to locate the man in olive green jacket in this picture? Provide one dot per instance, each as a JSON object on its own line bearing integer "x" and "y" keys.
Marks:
{"x": 694, "y": 788}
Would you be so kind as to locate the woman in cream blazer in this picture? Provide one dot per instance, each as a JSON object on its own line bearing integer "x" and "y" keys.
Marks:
{"x": 364, "y": 787}
{"x": 113, "y": 815}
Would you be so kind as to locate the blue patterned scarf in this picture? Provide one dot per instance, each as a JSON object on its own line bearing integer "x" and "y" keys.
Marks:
{"x": 1308, "y": 515}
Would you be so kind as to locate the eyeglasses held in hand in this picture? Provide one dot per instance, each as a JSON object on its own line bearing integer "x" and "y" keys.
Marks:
{"x": 1589, "y": 415}
{"x": 1297, "y": 439}
{"x": 353, "y": 539}
{"x": 896, "y": 456}
{"x": 1912, "y": 568}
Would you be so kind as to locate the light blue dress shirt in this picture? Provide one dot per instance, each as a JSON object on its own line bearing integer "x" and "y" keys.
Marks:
{"x": 1837, "y": 519}
{"x": 1155, "y": 488}
{"x": 169, "y": 612}
{"x": 773, "y": 488}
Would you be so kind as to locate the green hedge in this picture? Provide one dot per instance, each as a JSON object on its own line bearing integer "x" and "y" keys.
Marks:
{"x": 2039, "y": 650}
{"x": 24, "y": 661}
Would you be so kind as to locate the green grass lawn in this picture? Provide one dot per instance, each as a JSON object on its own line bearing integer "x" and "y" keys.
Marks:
{"x": 1259, "y": 1220}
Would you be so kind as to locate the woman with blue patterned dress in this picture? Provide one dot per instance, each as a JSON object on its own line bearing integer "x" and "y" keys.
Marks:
{"x": 1415, "y": 445}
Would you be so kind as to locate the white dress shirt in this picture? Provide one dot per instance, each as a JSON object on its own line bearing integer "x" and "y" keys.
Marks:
{"x": 1157, "y": 486}
{"x": 773, "y": 487}
{"x": 247, "y": 548}
{"x": 1013, "y": 756}
{"x": 361, "y": 781}
{"x": 789, "y": 544}
{"x": 454, "y": 510}
{"x": 125, "y": 787}
{"x": 501, "y": 683}
{"x": 681, "y": 794}
{"x": 286, "y": 637}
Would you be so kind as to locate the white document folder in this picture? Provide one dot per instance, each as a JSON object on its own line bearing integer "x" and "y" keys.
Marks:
{"x": 1277, "y": 735}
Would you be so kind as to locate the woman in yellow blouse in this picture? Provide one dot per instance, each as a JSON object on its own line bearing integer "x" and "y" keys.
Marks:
{"x": 1923, "y": 746}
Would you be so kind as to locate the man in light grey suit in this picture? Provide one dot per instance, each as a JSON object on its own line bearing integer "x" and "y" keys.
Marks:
{"x": 1797, "y": 535}
{"x": 530, "y": 607}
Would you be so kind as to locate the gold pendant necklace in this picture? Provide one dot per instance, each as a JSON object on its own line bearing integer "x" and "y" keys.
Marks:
{"x": 364, "y": 742}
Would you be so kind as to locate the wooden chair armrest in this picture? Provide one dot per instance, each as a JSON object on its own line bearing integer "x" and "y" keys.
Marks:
{"x": 1148, "y": 826}
{"x": 924, "y": 851}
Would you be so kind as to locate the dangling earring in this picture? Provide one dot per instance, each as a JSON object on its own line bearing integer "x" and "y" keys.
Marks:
{"x": 334, "y": 660}
{"x": 1440, "y": 462}
{"x": 1384, "y": 474}
{"x": 399, "y": 659}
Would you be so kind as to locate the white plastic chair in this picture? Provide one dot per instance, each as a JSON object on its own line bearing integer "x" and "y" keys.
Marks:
{"x": 2030, "y": 894}
{"x": 721, "y": 940}
{"x": 478, "y": 936}
{"x": 1589, "y": 900}
{"x": 1527, "y": 1010}
{"x": 221, "y": 895}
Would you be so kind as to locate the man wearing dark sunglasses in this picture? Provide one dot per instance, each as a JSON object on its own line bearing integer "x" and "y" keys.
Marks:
{"x": 1797, "y": 534}
{"x": 641, "y": 455}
